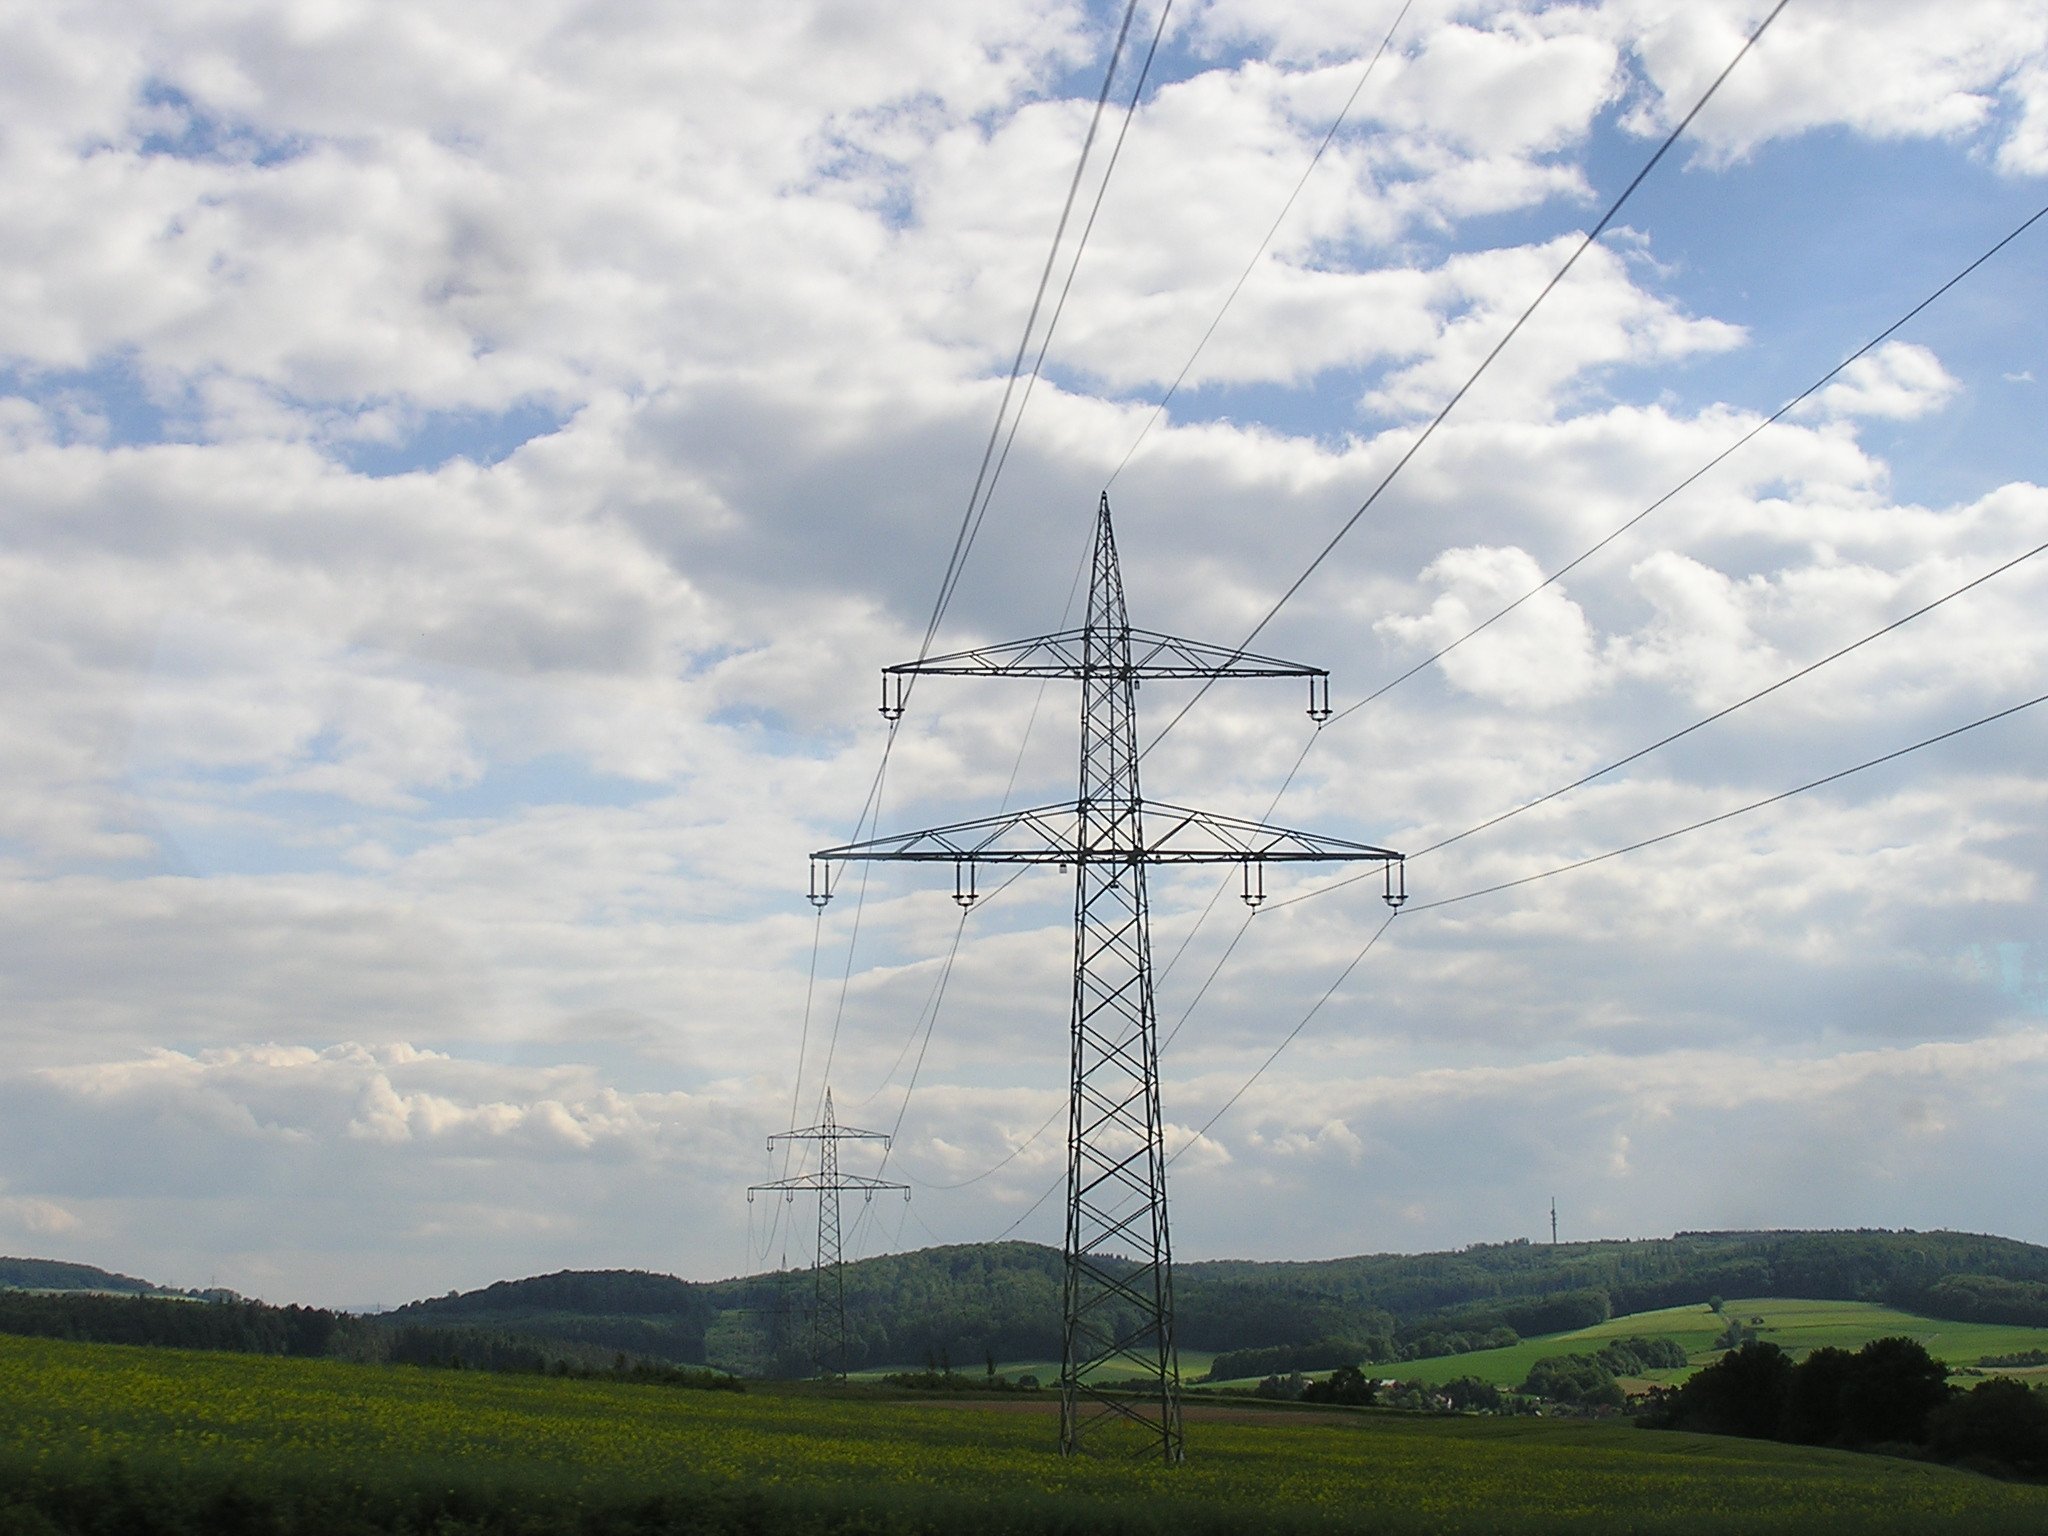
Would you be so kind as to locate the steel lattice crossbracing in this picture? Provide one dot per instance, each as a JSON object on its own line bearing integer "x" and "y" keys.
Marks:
{"x": 828, "y": 1272}
{"x": 1118, "y": 1290}
{"x": 1118, "y": 1364}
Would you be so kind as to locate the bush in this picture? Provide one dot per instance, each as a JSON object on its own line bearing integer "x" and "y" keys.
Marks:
{"x": 1468, "y": 1394}
{"x": 1635, "y": 1356}
{"x": 1347, "y": 1385}
{"x": 2000, "y": 1421}
{"x": 1578, "y": 1379}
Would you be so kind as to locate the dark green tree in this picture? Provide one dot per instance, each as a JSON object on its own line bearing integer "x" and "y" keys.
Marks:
{"x": 1742, "y": 1393}
{"x": 2000, "y": 1421}
{"x": 1815, "y": 1397}
{"x": 1895, "y": 1385}
{"x": 1347, "y": 1385}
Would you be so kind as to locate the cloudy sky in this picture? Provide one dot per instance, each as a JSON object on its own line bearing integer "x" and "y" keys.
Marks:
{"x": 462, "y": 468}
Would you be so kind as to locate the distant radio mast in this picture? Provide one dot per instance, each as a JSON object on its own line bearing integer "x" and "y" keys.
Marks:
{"x": 1553, "y": 1221}
{"x": 1118, "y": 1361}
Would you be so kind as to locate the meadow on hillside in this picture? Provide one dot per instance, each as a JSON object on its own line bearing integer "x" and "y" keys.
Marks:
{"x": 106, "y": 1437}
{"x": 1795, "y": 1326}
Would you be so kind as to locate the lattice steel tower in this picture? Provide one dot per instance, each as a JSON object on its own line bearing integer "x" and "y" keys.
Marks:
{"x": 1118, "y": 1290}
{"x": 828, "y": 1269}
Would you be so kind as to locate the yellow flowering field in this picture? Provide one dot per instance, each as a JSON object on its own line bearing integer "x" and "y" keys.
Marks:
{"x": 394, "y": 1448}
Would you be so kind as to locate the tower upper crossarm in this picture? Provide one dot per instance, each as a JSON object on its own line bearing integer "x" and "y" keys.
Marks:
{"x": 853, "y": 1181}
{"x": 1153, "y": 655}
{"x": 1054, "y": 834}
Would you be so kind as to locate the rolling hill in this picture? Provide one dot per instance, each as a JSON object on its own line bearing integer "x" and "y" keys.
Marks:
{"x": 966, "y": 1304}
{"x": 57, "y": 1275}
{"x": 1794, "y": 1326}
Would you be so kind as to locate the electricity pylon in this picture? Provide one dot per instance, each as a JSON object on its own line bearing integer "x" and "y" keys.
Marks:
{"x": 1118, "y": 1293}
{"x": 828, "y": 1269}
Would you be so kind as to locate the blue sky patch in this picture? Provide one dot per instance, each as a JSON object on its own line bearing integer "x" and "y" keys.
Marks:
{"x": 185, "y": 130}
{"x": 437, "y": 437}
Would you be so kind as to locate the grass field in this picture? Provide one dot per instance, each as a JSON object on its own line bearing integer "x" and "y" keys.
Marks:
{"x": 1194, "y": 1364}
{"x": 1795, "y": 1326}
{"x": 105, "y": 1437}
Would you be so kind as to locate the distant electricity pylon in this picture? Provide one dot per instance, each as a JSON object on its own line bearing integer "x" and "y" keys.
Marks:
{"x": 828, "y": 1269}
{"x": 1118, "y": 1291}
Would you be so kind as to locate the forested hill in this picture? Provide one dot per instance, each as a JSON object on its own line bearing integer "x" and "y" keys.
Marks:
{"x": 964, "y": 1304}
{"x": 961, "y": 1306}
{"x": 56, "y": 1275}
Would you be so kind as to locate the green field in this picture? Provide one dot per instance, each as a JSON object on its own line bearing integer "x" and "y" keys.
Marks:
{"x": 107, "y": 1437}
{"x": 1795, "y": 1326}
{"x": 1194, "y": 1364}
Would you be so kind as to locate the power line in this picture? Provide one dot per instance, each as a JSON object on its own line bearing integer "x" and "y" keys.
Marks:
{"x": 1215, "y": 971}
{"x": 1330, "y": 992}
{"x": 796, "y": 1088}
{"x": 1747, "y": 437}
{"x": 1506, "y": 885}
{"x": 1028, "y": 1211}
{"x": 1593, "y": 235}
{"x": 1615, "y": 853}
{"x": 971, "y": 518}
{"x": 1832, "y": 373}
{"x": 1722, "y": 714}
{"x": 1769, "y": 421}
{"x": 860, "y": 903}
{"x": 1164, "y": 972}
{"x": 1038, "y": 362}
{"x": 958, "y": 555}
{"x": 1706, "y": 720}
{"x": 1018, "y": 1150}
{"x": 1272, "y": 230}
{"x": 1741, "y": 810}
{"x": 1486, "y": 362}
{"x": 938, "y": 991}
{"x": 1009, "y": 1157}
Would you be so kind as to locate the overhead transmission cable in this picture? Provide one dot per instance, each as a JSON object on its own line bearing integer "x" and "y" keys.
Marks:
{"x": 1738, "y": 443}
{"x": 1700, "y": 724}
{"x": 985, "y": 492}
{"x": 957, "y": 568}
{"x": 1693, "y": 827}
{"x": 984, "y": 480}
{"x": 1289, "y": 1038}
{"x": 1786, "y": 408}
{"x": 1740, "y": 810}
{"x": 1743, "y": 441}
{"x": 1485, "y": 363}
{"x": 971, "y": 527}
{"x": 1665, "y": 741}
{"x": 1210, "y": 1123}
{"x": 1272, "y": 230}
{"x": 928, "y": 1017}
{"x": 1577, "y": 864}
{"x": 958, "y": 557}
{"x": 1707, "y": 720}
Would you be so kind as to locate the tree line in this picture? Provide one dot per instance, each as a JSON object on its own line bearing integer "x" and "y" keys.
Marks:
{"x": 241, "y": 1326}
{"x": 1890, "y": 1395}
{"x": 1003, "y": 1299}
